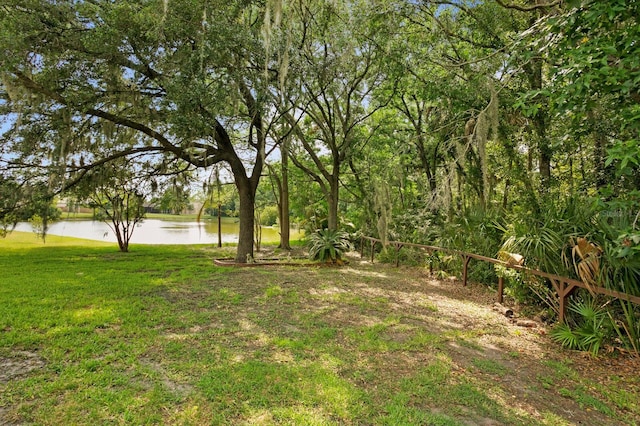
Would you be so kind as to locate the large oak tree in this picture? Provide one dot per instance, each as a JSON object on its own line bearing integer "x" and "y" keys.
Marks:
{"x": 187, "y": 77}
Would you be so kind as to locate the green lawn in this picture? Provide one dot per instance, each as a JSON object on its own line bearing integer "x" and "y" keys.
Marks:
{"x": 162, "y": 336}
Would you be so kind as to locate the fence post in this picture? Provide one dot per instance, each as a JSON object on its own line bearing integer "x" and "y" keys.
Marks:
{"x": 500, "y": 290}
{"x": 562, "y": 299}
{"x": 398, "y": 248}
{"x": 466, "y": 260}
{"x": 563, "y": 289}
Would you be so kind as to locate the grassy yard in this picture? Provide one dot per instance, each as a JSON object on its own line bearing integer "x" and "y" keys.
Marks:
{"x": 162, "y": 336}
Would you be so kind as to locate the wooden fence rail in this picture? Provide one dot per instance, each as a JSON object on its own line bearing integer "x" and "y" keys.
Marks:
{"x": 563, "y": 286}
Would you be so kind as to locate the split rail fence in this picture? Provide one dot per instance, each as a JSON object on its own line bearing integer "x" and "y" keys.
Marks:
{"x": 563, "y": 286}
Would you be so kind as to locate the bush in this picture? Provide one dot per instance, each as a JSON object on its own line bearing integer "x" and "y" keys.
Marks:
{"x": 587, "y": 328}
{"x": 407, "y": 256}
{"x": 626, "y": 322}
{"x": 269, "y": 216}
{"x": 328, "y": 245}
{"x": 474, "y": 231}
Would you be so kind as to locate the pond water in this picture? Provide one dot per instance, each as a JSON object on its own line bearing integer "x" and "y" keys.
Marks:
{"x": 155, "y": 231}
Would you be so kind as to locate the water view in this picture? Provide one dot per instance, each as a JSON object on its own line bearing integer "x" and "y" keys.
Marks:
{"x": 155, "y": 231}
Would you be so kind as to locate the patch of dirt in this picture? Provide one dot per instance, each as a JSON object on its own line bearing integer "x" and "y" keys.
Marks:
{"x": 18, "y": 363}
{"x": 272, "y": 252}
{"x": 174, "y": 385}
{"x": 15, "y": 365}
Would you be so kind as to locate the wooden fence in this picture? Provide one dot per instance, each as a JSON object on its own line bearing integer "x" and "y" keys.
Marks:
{"x": 563, "y": 286}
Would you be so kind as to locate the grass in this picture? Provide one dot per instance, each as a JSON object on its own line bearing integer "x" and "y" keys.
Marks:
{"x": 162, "y": 336}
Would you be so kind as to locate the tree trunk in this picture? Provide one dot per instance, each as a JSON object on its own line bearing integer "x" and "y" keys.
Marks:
{"x": 599, "y": 153}
{"x": 544, "y": 163}
{"x": 507, "y": 185}
{"x": 332, "y": 202}
{"x": 247, "y": 195}
{"x": 540, "y": 124}
{"x": 429, "y": 165}
{"x": 571, "y": 184}
{"x": 284, "y": 198}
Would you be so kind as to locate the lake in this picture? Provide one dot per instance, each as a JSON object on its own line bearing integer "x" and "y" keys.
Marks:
{"x": 155, "y": 231}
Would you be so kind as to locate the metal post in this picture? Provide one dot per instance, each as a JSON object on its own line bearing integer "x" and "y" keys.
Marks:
{"x": 219, "y": 225}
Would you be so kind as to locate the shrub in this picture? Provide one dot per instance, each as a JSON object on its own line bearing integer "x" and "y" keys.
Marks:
{"x": 328, "y": 245}
{"x": 587, "y": 328}
{"x": 407, "y": 256}
{"x": 269, "y": 216}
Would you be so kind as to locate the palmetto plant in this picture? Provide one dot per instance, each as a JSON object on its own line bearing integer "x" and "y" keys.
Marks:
{"x": 541, "y": 248}
{"x": 328, "y": 245}
{"x": 585, "y": 257}
{"x": 628, "y": 328}
{"x": 590, "y": 328}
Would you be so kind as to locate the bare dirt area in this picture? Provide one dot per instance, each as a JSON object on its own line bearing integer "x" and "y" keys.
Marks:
{"x": 15, "y": 365}
{"x": 19, "y": 363}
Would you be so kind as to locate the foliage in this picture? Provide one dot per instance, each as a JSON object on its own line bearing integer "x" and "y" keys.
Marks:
{"x": 600, "y": 59}
{"x": 474, "y": 231}
{"x": 588, "y": 328}
{"x": 528, "y": 290}
{"x": 217, "y": 194}
{"x": 328, "y": 245}
{"x": 120, "y": 197}
{"x": 31, "y": 202}
{"x": 620, "y": 259}
{"x": 9, "y": 205}
{"x": 406, "y": 256}
{"x": 416, "y": 225}
{"x": 269, "y": 216}
{"x": 175, "y": 198}
{"x": 626, "y": 323}
{"x": 39, "y": 226}
{"x": 541, "y": 247}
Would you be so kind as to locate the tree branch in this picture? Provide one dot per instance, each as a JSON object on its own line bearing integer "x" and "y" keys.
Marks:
{"x": 528, "y": 8}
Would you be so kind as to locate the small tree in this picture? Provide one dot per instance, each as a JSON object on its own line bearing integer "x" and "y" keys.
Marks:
{"x": 121, "y": 211}
{"x": 31, "y": 202}
{"x": 9, "y": 205}
{"x": 118, "y": 195}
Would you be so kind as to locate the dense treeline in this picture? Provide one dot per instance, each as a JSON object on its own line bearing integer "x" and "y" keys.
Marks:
{"x": 494, "y": 127}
